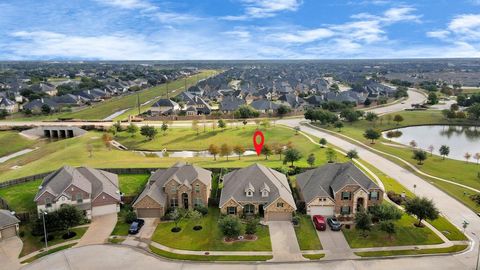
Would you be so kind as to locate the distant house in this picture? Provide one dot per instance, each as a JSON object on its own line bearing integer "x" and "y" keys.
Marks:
{"x": 264, "y": 105}
{"x": 231, "y": 104}
{"x": 195, "y": 90}
{"x": 165, "y": 107}
{"x": 337, "y": 189}
{"x": 36, "y": 105}
{"x": 314, "y": 100}
{"x": 70, "y": 100}
{"x": 95, "y": 95}
{"x": 257, "y": 190}
{"x": 346, "y": 96}
{"x": 292, "y": 101}
{"x": 182, "y": 185}
{"x": 46, "y": 88}
{"x": 93, "y": 191}
{"x": 8, "y": 225}
{"x": 194, "y": 102}
{"x": 8, "y": 105}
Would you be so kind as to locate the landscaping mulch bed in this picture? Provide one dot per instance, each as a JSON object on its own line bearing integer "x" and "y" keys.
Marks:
{"x": 242, "y": 238}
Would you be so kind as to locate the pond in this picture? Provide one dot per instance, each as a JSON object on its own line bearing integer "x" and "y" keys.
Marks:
{"x": 460, "y": 139}
{"x": 188, "y": 154}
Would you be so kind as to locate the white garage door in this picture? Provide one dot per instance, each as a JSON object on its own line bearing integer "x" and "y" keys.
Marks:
{"x": 104, "y": 210}
{"x": 326, "y": 211}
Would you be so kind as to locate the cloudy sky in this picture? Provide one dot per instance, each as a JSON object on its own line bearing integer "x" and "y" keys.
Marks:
{"x": 237, "y": 29}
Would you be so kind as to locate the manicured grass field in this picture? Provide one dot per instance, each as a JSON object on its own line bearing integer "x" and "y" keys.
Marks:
{"x": 20, "y": 197}
{"x": 32, "y": 243}
{"x": 306, "y": 235}
{"x": 50, "y": 251}
{"x": 74, "y": 152}
{"x": 233, "y": 258}
{"x": 12, "y": 142}
{"x": 132, "y": 184}
{"x": 407, "y": 234}
{"x": 446, "y": 228}
{"x": 452, "y": 249}
{"x": 209, "y": 238}
{"x": 470, "y": 90}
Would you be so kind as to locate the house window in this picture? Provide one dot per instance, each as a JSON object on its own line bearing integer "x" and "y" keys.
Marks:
{"x": 173, "y": 202}
{"x": 249, "y": 193}
{"x": 231, "y": 210}
{"x": 249, "y": 209}
{"x": 280, "y": 204}
{"x": 79, "y": 197}
{"x": 374, "y": 195}
{"x": 345, "y": 210}
{"x": 197, "y": 188}
{"x": 48, "y": 202}
{"x": 174, "y": 189}
{"x": 264, "y": 193}
{"x": 197, "y": 202}
{"x": 345, "y": 196}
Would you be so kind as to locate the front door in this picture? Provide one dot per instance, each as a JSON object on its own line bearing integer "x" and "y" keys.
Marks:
{"x": 360, "y": 206}
{"x": 185, "y": 200}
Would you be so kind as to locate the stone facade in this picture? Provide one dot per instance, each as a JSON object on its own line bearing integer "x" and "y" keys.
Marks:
{"x": 273, "y": 208}
{"x": 358, "y": 197}
{"x": 196, "y": 193}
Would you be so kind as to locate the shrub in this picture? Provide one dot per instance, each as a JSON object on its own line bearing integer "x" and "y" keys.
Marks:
{"x": 396, "y": 198}
{"x": 202, "y": 209}
{"x": 251, "y": 227}
{"x": 475, "y": 198}
{"x": 230, "y": 226}
{"x": 296, "y": 220}
{"x": 130, "y": 216}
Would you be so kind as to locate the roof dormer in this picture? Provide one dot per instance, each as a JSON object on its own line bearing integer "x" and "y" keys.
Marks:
{"x": 249, "y": 190}
{"x": 265, "y": 190}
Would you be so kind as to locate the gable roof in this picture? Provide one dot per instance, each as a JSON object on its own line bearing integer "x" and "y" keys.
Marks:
{"x": 163, "y": 102}
{"x": 7, "y": 219}
{"x": 330, "y": 178}
{"x": 257, "y": 176}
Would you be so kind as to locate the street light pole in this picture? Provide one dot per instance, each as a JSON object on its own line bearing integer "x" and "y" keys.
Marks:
{"x": 45, "y": 230}
{"x": 478, "y": 252}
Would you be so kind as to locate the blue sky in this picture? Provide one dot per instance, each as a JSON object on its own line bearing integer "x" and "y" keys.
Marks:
{"x": 237, "y": 29}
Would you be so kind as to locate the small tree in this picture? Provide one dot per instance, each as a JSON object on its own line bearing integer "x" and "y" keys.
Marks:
{"x": 90, "y": 150}
{"x": 113, "y": 130}
{"x": 46, "y": 109}
{"x": 177, "y": 215}
{"x": 363, "y": 222}
{"x": 477, "y": 157}
{"x": 214, "y": 151}
{"x": 430, "y": 149}
{"x": 352, "y": 154}
{"x": 265, "y": 123}
{"x": 292, "y": 155}
{"x": 444, "y": 151}
{"x": 323, "y": 142}
{"x": 297, "y": 129}
{"x": 388, "y": 227}
{"x": 339, "y": 125}
{"x": 222, "y": 124}
{"x": 244, "y": 122}
{"x": 149, "y": 132}
{"x": 420, "y": 156}
{"x": 3, "y": 114}
{"x": 398, "y": 118}
{"x": 195, "y": 126}
{"x": 251, "y": 226}
{"x": 68, "y": 217}
{"x": 278, "y": 149}
{"x": 422, "y": 208}
{"x": 413, "y": 144}
{"x": 371, "y": 117}
{"x": 239, "y": 150}
{"x": 331, "y": 155}
{"x": 311, "y": 160}
{"x": 132, "y": 129}
{"x": 467, "y": 156}
{"x": 267, "y": 150}
{"x": 282, "y": 110}
{"x": 164, "y": 128}
{"x": 230, "y": 226}
{"x": 195, "y": 216}
{"x": 107, "y": 138}
{"x": 385, "y": 212}
{"x": 372, "y": 134}
{"x": 225, "y": 150}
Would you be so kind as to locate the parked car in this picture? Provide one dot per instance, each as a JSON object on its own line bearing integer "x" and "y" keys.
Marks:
{"x": 319, "y": 222}
{"x": 334, "y": 224}
{"x": 136, "y": 225}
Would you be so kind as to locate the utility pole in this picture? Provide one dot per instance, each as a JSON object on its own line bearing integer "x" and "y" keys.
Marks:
{"x": 185, "y": 83}
{"x": 138, "y": 102}
{"x": 167, "y": 89}
{"x": 45, "y": 230}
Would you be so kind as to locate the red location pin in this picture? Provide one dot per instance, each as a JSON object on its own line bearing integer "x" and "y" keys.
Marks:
{"x": 258, "y": 146}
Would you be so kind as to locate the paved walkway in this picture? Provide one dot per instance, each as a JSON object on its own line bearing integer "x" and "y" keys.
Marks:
{"x": 9, "y": 250}
{"x": 214, "y": 253}
{"x": 284, "y": 242}
{"x": 99, "y": 230}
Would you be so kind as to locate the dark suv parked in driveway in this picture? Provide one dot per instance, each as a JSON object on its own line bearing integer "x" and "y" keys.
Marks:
{"x": 136, "y": 225}
{"x": 334, "y": 224}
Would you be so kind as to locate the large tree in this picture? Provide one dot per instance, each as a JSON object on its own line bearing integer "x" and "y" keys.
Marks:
{"x": 372, "y": 134}
{"x": 149, "y": 131}
{"x": 292, "y": 155}
{"x": 420, "y": 156}
{"x": 230, "y": 226}
{"x": 444, "y": 151}
{"x": 398, "y": 118}
{"x": 225, "y": 150}
{"x": 422, "y": 208}
{"x": 213, "y": 150}
{"x": 363, "y": 222}
{"x": 267, "y": 150}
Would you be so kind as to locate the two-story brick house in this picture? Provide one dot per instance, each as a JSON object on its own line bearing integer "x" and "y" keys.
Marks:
{"x": 93, "y": 191}
{"x": 337, "y": 189}
{"x": 182, "y": 185}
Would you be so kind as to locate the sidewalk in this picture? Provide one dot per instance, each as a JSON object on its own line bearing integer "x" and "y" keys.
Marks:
{"x": 26, "y": 257}
{"x": 213, "y": 253}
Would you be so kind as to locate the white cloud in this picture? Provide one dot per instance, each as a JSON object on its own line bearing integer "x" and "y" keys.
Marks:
{"x": 440, "y": 34}
{"x": 467, "y": 26}
{"x": 264, "y": 9}
{"x": 303, "y": 36}
{"x": 127, "y": 4}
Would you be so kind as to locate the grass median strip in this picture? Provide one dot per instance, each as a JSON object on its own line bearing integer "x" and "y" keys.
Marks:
{"x": 452, "y": 249}
{"x": 232, "y": 258}
{"x": 45, "y": 253}
{"x": 313, "y": 257}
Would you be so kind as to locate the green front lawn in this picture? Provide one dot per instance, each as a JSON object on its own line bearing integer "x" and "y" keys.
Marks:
{"x": 209, "y": 238}
{"x": 121, "y": 228}
{"x": 407, "y": 234}
{"x": 174, "y": 256}
{"x": 452, "y": 249}
{"x": 132, "y": 184}
{"x": 448, "y": 229}
{"x": 306, "y": 234}
{"x": 32, "y": 243}
{"x": 14, "y": 141}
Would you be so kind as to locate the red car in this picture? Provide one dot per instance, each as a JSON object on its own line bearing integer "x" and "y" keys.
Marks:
{"x": 319, "y": 222}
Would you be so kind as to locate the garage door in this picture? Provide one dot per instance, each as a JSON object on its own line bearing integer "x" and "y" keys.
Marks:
{"x": 149, "y": 212}
{"x": 326, "y": 211}
{"x": 279, "y": 216}
{"x": 9, "y": 232}
{"x": 104, "y": 210}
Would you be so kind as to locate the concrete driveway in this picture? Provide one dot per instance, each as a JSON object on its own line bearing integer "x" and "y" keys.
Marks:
{"x": 335, "y": 245}
{"x": 9, "y": 250}
{"x": 99, "y": 230}
{"x": 284, "y": 241}
{"x": 145, "y": 233}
